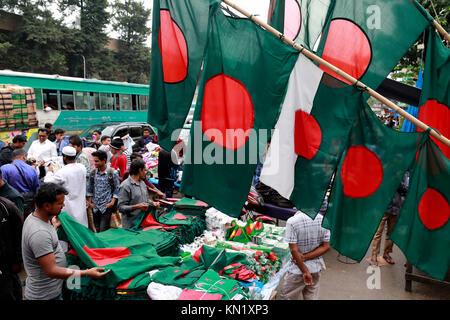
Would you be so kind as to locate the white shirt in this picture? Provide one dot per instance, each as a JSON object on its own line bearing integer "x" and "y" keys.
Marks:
{"x": 308, "y": 234}
{"x": 42, "y": 151}
{"x": 73, "y": 178}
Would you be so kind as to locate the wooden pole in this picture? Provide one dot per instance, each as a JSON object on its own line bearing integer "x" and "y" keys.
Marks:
{"x": 442, "y": 31}
{"x": 341, "y": 73}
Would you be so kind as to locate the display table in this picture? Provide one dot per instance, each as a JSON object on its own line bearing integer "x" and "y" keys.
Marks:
{"x": 410, "y": 277}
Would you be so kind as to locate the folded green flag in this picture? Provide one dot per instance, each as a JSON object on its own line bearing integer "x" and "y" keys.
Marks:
{"x": 126, "y": 253}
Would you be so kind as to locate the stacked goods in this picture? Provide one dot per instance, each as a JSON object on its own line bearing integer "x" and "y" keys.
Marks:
{"x": 6, "y": 106}
{"x": 31, "y": 106}
{"x": 17, "y": 107}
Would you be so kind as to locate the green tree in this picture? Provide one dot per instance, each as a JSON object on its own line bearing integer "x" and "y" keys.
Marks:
{"x": 409, "y": 66}
{"x": 38, "y": 44}
{"x": 90, "y": 40}
{"x": 130, "y": 19}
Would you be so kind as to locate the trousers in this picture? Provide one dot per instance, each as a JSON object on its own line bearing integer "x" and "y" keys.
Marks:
{"x": 294, "y": 288}
{"x": 388, "y": 244}
{"x": 102, "y": 222}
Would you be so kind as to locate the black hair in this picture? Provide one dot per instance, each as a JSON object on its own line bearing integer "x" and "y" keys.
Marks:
{"x": 146, "y": 129}
{"x": 100, "y": 154}
{"x": 98, "y": 131}
{"x": 43, "y": 130}
{"x": 48, "y": 192}
{"x": 75, "y": 140}
{"x": 104, "y": 138}
{"x": 135, "y": 166}
{"x": 18, "y": 153}
{"x": 135, "y": 155}
{"x": 59, "y": 131}
{"x": 48, "y": 125}
{"x": 19, "y": 138}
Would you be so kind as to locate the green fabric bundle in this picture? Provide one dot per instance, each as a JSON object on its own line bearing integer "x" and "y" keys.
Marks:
{"x": 126, "y": 253}
{"x": 185, "y": 225}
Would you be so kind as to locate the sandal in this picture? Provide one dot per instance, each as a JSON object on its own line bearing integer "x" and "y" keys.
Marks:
{"x": 374, "y": 262}
{"x": 389, "y": 259}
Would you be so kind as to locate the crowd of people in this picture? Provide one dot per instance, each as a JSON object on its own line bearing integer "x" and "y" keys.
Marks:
{"x": 62, "y": 173}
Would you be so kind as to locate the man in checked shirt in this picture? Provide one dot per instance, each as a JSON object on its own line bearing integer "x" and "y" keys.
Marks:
{"x": 308, "y": 241}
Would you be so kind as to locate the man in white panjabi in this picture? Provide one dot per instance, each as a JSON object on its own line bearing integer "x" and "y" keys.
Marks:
{"x": 73, "y": 178}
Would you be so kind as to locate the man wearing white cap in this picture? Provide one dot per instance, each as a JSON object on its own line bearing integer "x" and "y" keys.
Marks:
{"x": 73, "y": 178}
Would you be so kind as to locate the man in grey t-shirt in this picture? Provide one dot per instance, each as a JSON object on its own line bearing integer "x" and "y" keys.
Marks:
{"x": 43, "y": 257}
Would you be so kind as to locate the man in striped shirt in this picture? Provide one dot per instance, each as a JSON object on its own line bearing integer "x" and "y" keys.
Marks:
{"x": 308, "y": 241}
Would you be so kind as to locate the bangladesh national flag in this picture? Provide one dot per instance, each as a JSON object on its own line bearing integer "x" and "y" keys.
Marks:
{"x": 310, "y": 136}
{"x": 435, "y": 97}
{"x": 179, "y": 33}
{"x": 126, "y": 253}
{"x": 243, "y": 84}
{"x": 367, "y": 38}
{"x": 369, "y": 173}
{"x": 422, "y": 230}
{"x": 302, "y": 21}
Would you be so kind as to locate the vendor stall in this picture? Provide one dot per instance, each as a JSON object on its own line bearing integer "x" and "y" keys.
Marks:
{"x": 183, "y": 251}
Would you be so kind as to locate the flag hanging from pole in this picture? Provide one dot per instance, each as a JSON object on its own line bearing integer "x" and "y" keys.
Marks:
{"x": 243, "y": 84}
{"x": 302, "y": 21}
{"x": 367, "y": 38}
{"x": 422, "y": 230}
{"x": 310, "y": 136}
{"x": 369, "y": 173}
{"x": 435, "y": 97}
{"x": 179, "y": 32}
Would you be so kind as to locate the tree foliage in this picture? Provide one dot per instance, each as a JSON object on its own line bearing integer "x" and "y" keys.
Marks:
{"x": 408, "y": 68}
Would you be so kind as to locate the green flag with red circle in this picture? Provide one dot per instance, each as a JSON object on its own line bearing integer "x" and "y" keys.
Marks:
{"x": 367, "y": 38}
{"x": 369, "y": 173}
{"x": 422, "y": 230}
{"x": 179, "y": 33}
{"x": 243, "y": 84}
{"x": 435, "y": 97}
{"x": 302, "y": 21}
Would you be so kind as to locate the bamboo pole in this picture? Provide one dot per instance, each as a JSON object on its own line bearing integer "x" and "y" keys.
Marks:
{"x": 341, "y": 73}
{"x": 442, "y": 30}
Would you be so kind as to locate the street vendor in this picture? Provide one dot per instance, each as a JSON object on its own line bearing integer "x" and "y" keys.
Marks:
{"x": 133, "y": 195}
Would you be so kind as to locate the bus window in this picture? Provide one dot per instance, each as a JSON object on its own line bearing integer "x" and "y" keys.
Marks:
{"x": 81, "y": 100}
{"x": 39, "y": 100}
{"x": 50, "y": 98}
{"x": 67, "y": 100}
{"x": 134, "y": 101}
{"x": 106, "y": 101}
{"x": 94, "y": 101}
{"x": 125, "y": 102}
{"x": 143, "y": 102}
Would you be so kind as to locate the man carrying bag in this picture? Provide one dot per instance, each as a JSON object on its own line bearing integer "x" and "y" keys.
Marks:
{"x": 23, "y": 178}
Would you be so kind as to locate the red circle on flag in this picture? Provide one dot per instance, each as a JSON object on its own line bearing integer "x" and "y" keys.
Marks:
{"x": 292, "y": 19}
{"x": 347, "y": 48}
{"x": 437, "y": 116}
{"x": 173, "y": 48}
{"x": 227, "y": 113}
{"x": 434, "y": 209}
{"x": 307, "y": 135}
{"x": 361, "y": 172}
